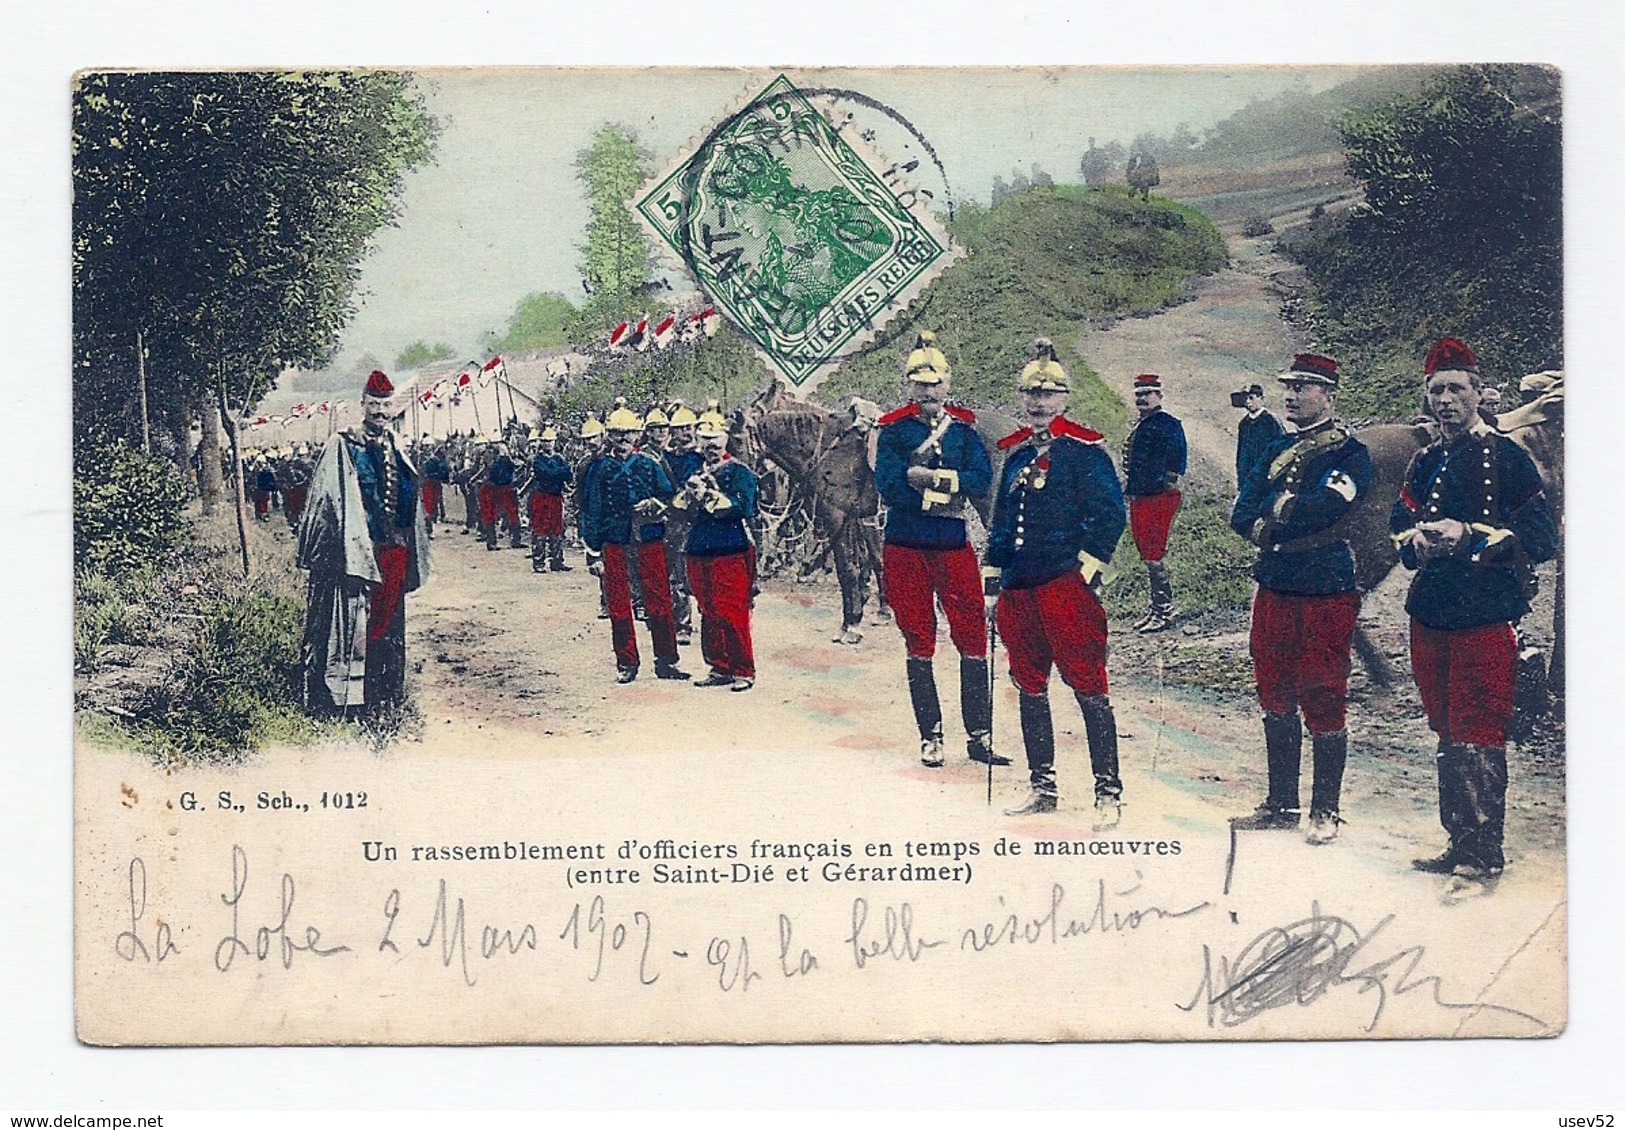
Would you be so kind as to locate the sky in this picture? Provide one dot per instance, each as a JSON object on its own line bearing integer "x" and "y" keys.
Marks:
{"x": 500, "y": 213}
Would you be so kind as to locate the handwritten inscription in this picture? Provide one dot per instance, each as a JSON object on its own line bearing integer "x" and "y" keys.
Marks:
{"x": 1303, "y": 962}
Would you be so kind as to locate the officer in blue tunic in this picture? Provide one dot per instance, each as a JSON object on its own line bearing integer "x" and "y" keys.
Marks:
{"x": 929, "y": 460}
{"x": 1153, "y": 461}
{"x": 1472, "y": 519}
{"x": 1056, "y": 521}
{"x": 683, "y": 462}
{"x": 549, "y": 475}
{"x": 1290, "y": 505}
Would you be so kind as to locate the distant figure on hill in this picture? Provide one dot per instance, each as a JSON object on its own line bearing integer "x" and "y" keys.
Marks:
{"x": 1142, "y": 174}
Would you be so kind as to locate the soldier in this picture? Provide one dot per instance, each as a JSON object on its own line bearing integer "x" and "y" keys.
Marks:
{"x": 1153, "y": 461}
{"x": 652, "y": 490}
{"x": 1471, "y": 520}
{"x": 928, "y": 461}
{"x": 1056, "y": 521}
{"x": 296, "y": 473}
{"x": 501, "y": 497}
{"x": 436, "y": 474}
{"x": 720, "y": 500}
{"x": 591, "y": 436}
{"x": 607, "y": 518}
{"x": 549, "y": 475}
{"x": 265, "y": 486}
{"x": 1257, "y": 430}
{"x": 365, "y": 545}
{"x": 1290, "y": 505}
{"x": 683, "y": 462}
{"x": 471, "y": 480}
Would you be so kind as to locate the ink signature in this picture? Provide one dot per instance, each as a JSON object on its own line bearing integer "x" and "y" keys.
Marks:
{"x": 1305, "y": 960}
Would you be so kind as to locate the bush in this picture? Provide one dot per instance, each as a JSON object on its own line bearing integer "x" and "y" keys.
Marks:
{"x": 236, "y": 682}
{"x": 111, "y": 610}
{"x": 127, "y": 507}
{"x": 1257, "y": 224}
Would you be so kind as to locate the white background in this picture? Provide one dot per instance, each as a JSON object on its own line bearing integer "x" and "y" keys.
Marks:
{"x": 41, "y": 44}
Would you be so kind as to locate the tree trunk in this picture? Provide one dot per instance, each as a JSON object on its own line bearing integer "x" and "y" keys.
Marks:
{"x": 236, "y": 477}
{"x": 209, "y": 486}
{"x": 141, "y": 373}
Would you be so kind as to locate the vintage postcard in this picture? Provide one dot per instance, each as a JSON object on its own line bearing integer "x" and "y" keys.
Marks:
{"x": 802, "y": 555}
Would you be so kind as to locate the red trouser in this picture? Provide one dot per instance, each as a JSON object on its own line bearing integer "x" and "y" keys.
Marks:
{"x": 488, "y": 513}
{"x": 546, "y": 514}
{"x": 1300, "y": 648}
{"x": 504, "y": 504}
{"x": 722, "y": 589}
{"x": 651, "y": 566}
{"x": 386, "y": 598}
{"x": 262, "y": 503}
{"x": 1467, "y": 678}
{"x": 293, "y": 501}
{"x": 913, "y": 577}
{"x": 431, "y": 497}
{"x": 1149, "y": 517}
{"x": 1060, "y": 623}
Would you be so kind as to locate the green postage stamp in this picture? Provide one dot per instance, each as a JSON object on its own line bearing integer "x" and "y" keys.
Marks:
{"x": 807, "y": 243}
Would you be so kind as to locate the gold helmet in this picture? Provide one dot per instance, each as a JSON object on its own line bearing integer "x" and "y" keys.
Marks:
{"x": 591, "y": 428}
{"x": 550, "y": 432}
{"x": 1044, "y": 373}
{"x": 926, "y": 363}
{"x": 623, "y": 419}
{"x": 683, "y": 416}
{"x": 712, "y": 422}
{"x": 656, "y": 418}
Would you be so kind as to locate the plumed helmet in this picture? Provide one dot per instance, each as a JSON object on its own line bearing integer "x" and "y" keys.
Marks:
{"x": 712, "y": 422}
{"x": 683, "y": 416}
{"x": 656, "y": 418}
{"x": 1044, "y": 373}
{"x": 591, "y": 428}
{"x": 926, "y": 363}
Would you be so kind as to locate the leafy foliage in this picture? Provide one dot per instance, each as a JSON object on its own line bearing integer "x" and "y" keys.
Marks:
{"x": 616, "y": 259}
{"x": 540, "y": 321}
{"x": 222, "y": 217}
{"x": 1039, "y": 263}
{"x": 128, "y": 508}
{"x": 1460, "y": 234}
{"x": 421, "y": 353}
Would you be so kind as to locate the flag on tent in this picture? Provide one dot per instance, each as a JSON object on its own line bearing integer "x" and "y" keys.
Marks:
{"x": 618, "y": 336}
{"x": 665, "y": 331}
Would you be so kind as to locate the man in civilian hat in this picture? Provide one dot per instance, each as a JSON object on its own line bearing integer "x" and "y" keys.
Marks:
{"x": 364, "y": 542}
{"x": 1257, "y": 430}
{"x": 929, "y": 460}
{"x": 1056, "y": 521}
{"x": 1291, "y": 505}
{"x": 1471, "y": 520}
{"x": 1153, "y": 461}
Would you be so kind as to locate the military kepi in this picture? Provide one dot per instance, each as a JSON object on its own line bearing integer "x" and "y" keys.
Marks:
{"x": 378, "y": 386}
{"x": 1311, "y": 368}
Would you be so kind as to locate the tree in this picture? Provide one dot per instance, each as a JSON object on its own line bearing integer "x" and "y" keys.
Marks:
{"x": 421, "y": 353}
{"x": 616, "y": 257}
{"x": 1460, "y": 232}
{"x": 540, "y": 321}
{"x": 219, "y": 220}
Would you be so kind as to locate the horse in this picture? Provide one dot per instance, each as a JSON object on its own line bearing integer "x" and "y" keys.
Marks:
{"x": 830, "y": 455}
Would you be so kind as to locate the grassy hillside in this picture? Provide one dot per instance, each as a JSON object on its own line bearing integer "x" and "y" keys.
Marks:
{"x": 1039, "y": 263}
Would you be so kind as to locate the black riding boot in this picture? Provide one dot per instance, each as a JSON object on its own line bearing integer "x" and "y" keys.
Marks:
{"x": 922, "y": 692}
{"x": 1283, "y": 753}
{"x": 976, "y": 708}
{"x": 1483, "y": 796}
{"x": 1038, "y": 735}
{"x": 1449, "y": 772}
{"x": 1331, "y": 754}
{"x": 1100, "y": 725}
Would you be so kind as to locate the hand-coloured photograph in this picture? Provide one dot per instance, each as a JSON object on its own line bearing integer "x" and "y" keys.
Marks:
{"x": 642, "y": 556}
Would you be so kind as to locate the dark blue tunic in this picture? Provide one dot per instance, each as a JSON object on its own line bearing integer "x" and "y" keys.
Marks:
{"x": 1484, "y": 479}
{"x": 961, "y": 449}
{"x": 1154, "y": 450}
{"x": 1254, "y": 434}
{"x": 1078, "y": 508}
{"x": 1288, "y": 503}
{"x": 725, "y": 531}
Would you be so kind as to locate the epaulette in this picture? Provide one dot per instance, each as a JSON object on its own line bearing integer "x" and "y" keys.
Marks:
{"x": 905, "y": 412}
{"x": 1011, "y": 440}
{"x": 962, "y": 414}
{"x": 1061, "y": 426}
